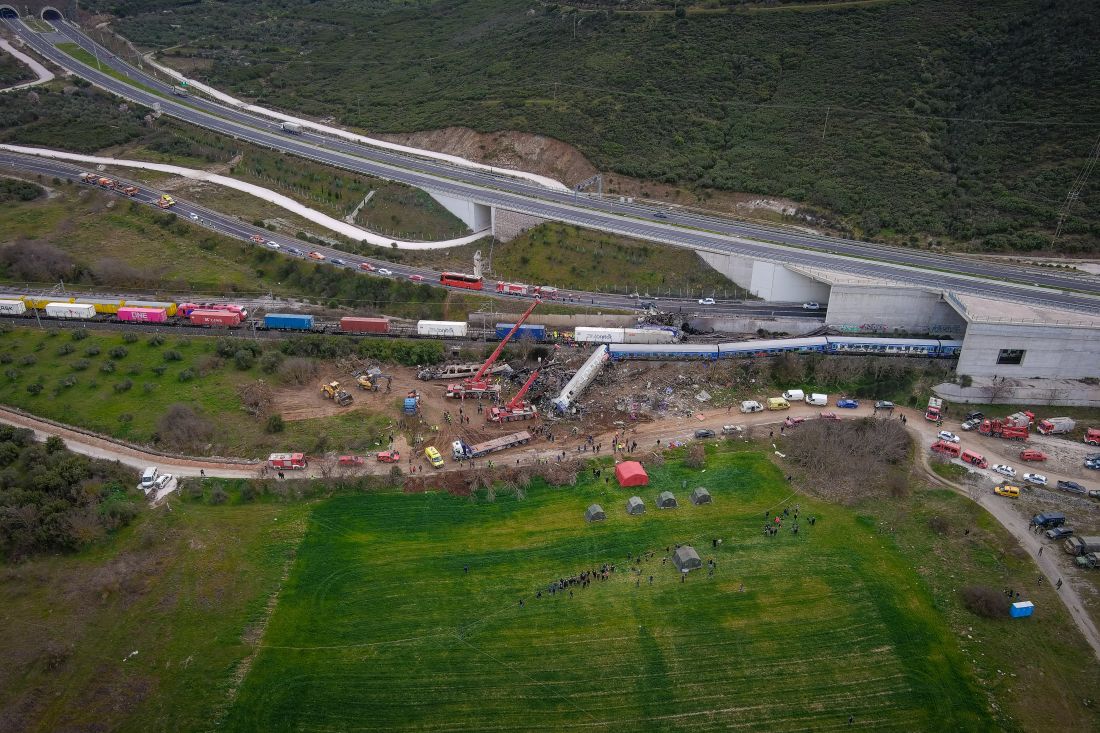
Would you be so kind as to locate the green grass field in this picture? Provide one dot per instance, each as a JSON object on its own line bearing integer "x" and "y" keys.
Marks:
{"x": 379, "y": 628}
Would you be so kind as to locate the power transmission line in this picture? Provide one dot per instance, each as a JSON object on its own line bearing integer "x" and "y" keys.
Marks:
{"x": 1075, "y": 190}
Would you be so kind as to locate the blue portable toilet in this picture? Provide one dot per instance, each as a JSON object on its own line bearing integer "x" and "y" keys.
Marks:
{"x": 1021, "y": 609}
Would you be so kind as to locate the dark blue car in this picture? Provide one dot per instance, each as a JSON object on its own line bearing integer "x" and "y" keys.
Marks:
{"x": 848, "y": 403}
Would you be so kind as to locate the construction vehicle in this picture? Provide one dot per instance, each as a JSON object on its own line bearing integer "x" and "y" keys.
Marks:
{"x": 460, "y": 371}
{"x": 411, "y": 405}
{"x": 1003, "y": 429}
{"x": 478, "y": 386}
{"x": 517, "y": 408}
{"x": 89, "y": 178}
{"x": 954, "y": 450}
{"x": 106, "y": 183}
{"x": 332, "y": 391}
{"x": 166, "y": 201}
{"x": 462, "y": 451}
{"x": 934, "y": 411}
{"x": 1092, "y": 436}
{"x": 372, "y": 380}
{"x": 130, "y": 190}
{"x": 287, "y": 461}
{"x": 1056, "y": 425}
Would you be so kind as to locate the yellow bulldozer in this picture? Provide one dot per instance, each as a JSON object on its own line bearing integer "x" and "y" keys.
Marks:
{"x": 372, "y": 382}
{"x": 332, "y": 391}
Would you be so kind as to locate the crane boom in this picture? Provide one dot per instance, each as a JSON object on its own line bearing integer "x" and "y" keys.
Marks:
{"x": 477, "y": 378}
{"x": 518, "y": 399}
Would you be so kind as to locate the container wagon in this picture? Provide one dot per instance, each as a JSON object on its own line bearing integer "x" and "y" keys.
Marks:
{"x": 528, "y": 331}
{"x": 169, "y": 308}
{"x": 288, "y": 322}
{"x": 142, "y": 315}
{"x": 82, "y": 311}
{"x": 441, "y": 328}
{"x": 353, "y": 324}
{"x": 214, "y": 318}
{"x": 648, "y": 336}
{"x": 12, "y": 307}
{"x": 463, "y": 451}
{"x": 103, "y": 305}
{"x": 590, "y": 335}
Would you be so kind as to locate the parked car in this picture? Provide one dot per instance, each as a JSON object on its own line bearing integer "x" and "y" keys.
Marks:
{"x": 316, "y": 256}
{"x": 811, "y": 305}
{"x": 1058, "y": 533}
{"x": 367, "y": 267}
{"x": 948, "y": 436}
{"x": 704, "y": 433}
{"x": 829, "y": 416}
{"x": 847, "y": 403}
{"x": 976, "y": 415}
{"x": 1031, "y": 454}
{"x": 1003, "y": 470}
{"x": 971, "y": 424}
{"x": 163, "y": 480}
{"x": 731, "y": 429}
{"x": 1072, "y": 487}
{"x": 706, "y": 301}
{"x": 792, "y": 422}
{"x": 272, "y": 244}
{"x": 1012, "y": 492}
{"x": 389, "y": 456}
{"x": 384, "y": 271}
{"x": 1036, "y": 479}
{"x": 1093, "y": 463}
{"x": 350, "y": 460}
{"x": 884, "y": 405}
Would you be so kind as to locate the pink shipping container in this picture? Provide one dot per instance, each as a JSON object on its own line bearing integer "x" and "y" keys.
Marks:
{"x": 143, "y": 315}
{"x": 355, "y": 324}
{"x": 215, "y": 318}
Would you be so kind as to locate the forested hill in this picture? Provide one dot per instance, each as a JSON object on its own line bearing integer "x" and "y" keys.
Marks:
{"x": 908, "y": 119}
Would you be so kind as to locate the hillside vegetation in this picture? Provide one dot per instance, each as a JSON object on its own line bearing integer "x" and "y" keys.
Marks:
{"x": 904, "y": 120}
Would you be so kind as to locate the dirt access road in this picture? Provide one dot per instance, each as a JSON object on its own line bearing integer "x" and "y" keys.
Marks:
{"x": 647, "y": 435}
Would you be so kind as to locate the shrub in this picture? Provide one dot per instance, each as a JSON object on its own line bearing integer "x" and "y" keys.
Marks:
{"x": 965, "y": 380}
{"x": 984, "y": 601}
{"x": 78, "y": 335}
{"x": 118, "y": 352}
{"x": 939, "y": 525}
{"x": 172, "y": 355}
{"x": 12, "y": 374}
{"x": 65, "y": 349}
{"x": 182, "y": 426}
{"x": 270, "y": 362}
{"x": 148, "y": 387}
{"x": 187, "y": 375}
{"x": 129, "y": 337}
{"x": 134, "y": 371}
{"x": 124, "y": 386}
{"x": 244, "y": 359}
{"x": 34, "y": 388}
{"x": 80, "y": 365}
{"x": 69, "y": 381}
{"x": 218, "y": 496}
{"x": 275, "y": 424}
{"x": 91, "y": 351}
{"x": 108, "y": 367}
{"x": 6, "y": 358}
{"x": 696, "y": 456}
{"x": 28, "y": 360}
{"x": 156, "y": 340}
{"x": 159, "y": 370}
{"x": 125, "y": 418}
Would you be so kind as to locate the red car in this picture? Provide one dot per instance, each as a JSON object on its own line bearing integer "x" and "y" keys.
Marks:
{"x": 366, "y": 267}
{"x": 350, "y": 460}
{"x": 790, "y": 422}
{"x": 257, "y": 238}
{"x": 416, "y": 278}
{"x": 1033, "y": 455}
{"x": 829, "y": 416}
{"x": 316, "y": 256}
{"x": 389, "y": 456}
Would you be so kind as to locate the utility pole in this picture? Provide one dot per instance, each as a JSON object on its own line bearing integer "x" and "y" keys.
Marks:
{"x": 1075, "y": 190}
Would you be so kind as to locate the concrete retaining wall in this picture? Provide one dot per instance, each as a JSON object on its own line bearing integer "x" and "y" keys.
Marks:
{"x": 507, "y": 225}
{"x": 1060, "y": 352}
{"x": 889, "y": 309}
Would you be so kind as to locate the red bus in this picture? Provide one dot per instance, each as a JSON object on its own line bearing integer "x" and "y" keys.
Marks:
{"x": 459, "y": 280}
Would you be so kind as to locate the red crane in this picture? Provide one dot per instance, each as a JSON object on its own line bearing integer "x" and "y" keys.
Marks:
{"x": 516, "y": 409}
{"x": 478, "y": 386}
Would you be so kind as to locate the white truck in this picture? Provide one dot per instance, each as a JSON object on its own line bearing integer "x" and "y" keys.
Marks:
{"x": 751, "y": 406}
{"x": 1057, "y": 425}
{"x": 817, "y": 399}
{"x": 292, "y": 127}
{"x": 463, "y": 451}
{"x": 794, "y": 395}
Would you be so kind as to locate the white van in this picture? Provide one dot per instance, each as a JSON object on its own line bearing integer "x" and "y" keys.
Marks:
{"x": 794, "y": 395}
{"x": 820, "y": 400}
{"x": 751, "y": 406}
{"x": 149, "y": 477}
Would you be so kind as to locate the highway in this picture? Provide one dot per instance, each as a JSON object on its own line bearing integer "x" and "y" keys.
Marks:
{"x": 835, "y": 255}
{"x": 231, "y": 226}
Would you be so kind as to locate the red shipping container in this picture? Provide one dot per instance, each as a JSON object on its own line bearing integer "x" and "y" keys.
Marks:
{"x": 215, "y": 318}
{"x": 143, "y": 315}
{"x": 354, "y": 324}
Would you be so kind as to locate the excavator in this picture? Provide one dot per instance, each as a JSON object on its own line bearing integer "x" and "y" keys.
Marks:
{"x": 372, "y": 382}
{"x": 516, "y": 408}
{"x": 333, "y": 392}
{"x": 478, "y": 386}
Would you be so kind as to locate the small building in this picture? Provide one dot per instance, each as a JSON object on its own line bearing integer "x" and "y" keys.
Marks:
{"x": 665, "y": 500}
{"x": 700, "y": 496}
{"x": 1021, "y": 609}
{"x": 631, "y": 473}
{"x": 635, "y": 505}
{"x": 686, "y": 558}
{"x": 595, "y": 513}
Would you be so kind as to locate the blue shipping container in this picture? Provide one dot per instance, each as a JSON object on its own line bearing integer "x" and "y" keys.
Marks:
{"x": 526, "y": 331}
{"x": 1021, "y": 609}
{"x": 288, "y": 321}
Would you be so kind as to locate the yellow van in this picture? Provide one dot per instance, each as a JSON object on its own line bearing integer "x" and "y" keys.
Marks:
{"x": 433, "y": 457}
{"x": 778, "y": 403}
{"x": 1007, "y": 490}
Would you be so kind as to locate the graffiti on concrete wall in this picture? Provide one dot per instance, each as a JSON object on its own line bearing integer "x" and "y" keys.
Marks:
{"x": 944, "y": 328}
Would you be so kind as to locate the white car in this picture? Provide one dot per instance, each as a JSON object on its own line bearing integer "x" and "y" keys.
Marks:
{"x": 194, "y": 217}
{"x": 1035, "y": 478}
{"x": 272, "y": 244}
{"x": 706, "y": 301}
{"x": 384, "y": 271}
{"x": 1003, "y": 470}
{"x": 948, "y": 436}
{"x": 163, "y": 480}
{"x": 811, "y": 305}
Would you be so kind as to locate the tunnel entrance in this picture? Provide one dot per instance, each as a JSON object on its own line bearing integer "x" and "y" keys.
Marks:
{"x": 8, "y": 12}
{"x": 52, "y": 14}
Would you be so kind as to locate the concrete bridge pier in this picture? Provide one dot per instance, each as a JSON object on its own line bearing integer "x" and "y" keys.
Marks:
{"x": 766, "y": 280}
{"x": 476, "y": 216}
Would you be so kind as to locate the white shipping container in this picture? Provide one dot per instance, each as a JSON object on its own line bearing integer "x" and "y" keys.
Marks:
{"x": 13, "y": 307}
{"x": 70, "y": 310}
{"x": 590, "y": 335}
{"x": 648, "y": 336}
{"x": 441, "y": 328}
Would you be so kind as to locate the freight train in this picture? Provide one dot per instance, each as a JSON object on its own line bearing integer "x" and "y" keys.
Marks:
{"x": 858, "y": 345}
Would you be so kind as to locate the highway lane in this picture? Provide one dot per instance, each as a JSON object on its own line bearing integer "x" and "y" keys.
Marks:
{"x": 233, "y": 227}
{"x": 628, "y": 219}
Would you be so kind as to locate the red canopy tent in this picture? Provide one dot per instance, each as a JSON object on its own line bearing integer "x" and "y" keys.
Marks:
{"x": 631, "y": 473}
